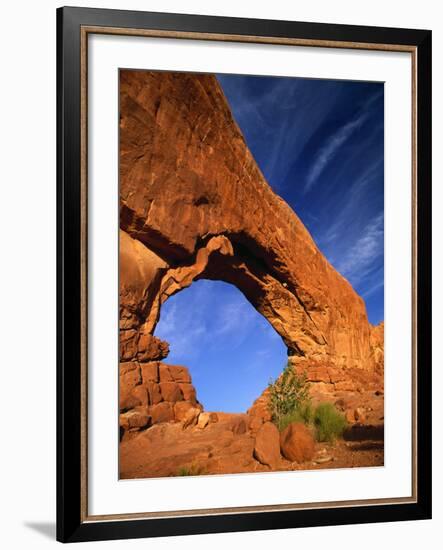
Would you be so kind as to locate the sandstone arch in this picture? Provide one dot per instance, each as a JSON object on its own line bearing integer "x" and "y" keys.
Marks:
{"x": 194, "y": 204}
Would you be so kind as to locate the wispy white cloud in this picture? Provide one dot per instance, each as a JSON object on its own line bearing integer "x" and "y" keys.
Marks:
{"x": 357, "y": 190}
{"x": 328, "y": 152}
{"x": 362, "y": 255}
{"x": 335, "y": 142}
{"x": 235, "y": 319}
{"x": 181, "y": 328}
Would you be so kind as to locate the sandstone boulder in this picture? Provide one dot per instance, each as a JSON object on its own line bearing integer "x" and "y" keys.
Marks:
{"x": 267, "y": 445}
{"x": 203, "y": 420}
{"x": 206, "y": 418}
{"x": 191, "y": 417}
{"x": 297, "y": 443}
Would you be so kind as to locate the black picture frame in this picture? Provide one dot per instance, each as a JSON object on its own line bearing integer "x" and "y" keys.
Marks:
{"x": 71, "y": 524}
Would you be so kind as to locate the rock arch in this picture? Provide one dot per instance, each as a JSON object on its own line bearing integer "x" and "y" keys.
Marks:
{"x": 194, "y": 204}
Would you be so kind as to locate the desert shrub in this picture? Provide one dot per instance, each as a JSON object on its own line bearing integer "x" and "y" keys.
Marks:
{"x": 303, "y": 413}
{"x": 329, "y": 422}
{"x": 193, "y": 470}
{"x": 289, "y": 398}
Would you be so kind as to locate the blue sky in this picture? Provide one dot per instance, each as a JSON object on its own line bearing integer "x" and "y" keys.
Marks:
{"x": 230, "y": 349}
{"x": 319, "y": 144}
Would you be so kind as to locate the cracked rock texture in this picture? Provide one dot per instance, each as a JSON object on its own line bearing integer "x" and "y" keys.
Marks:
{"x": 195, "y": 205}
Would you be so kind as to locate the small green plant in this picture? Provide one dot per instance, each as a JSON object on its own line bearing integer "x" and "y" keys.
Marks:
{"x": 289, "y": 398}
{"x": 289, "y": 402}
{"x": 193, "y": 470}
{"x": 329, "y": 422}
{"x": 303, "y": 413}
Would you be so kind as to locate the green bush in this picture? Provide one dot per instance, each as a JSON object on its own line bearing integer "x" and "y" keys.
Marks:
{"x": 329, "y": 422}
{"x": 303, "y": 413}
{"x": 289, "y": 398}
{"x": 289, "y": 402}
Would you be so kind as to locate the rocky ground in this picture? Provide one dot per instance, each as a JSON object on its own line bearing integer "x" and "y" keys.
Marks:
{"x": 237, "y": 443}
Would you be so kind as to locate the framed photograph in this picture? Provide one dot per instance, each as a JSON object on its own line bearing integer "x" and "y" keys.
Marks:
{"x": 244, "y": 274}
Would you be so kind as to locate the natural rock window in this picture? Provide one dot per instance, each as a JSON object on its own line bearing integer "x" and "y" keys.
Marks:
{"x": 230, "y": 349}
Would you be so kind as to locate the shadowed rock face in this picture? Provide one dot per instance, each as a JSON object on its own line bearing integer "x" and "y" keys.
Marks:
{"x": 194, "y": 204}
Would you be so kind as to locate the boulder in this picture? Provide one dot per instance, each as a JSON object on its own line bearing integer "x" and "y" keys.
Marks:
{"x": 191, "y": 417}
{"x": 297, "y": 443}
{"x": 203, "y": 420}
{"x": 267, "y": 445}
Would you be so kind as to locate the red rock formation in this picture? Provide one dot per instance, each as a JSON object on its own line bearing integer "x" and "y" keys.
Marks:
{"x": 195, "y": 205}
{"x": 156, "y": 392}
